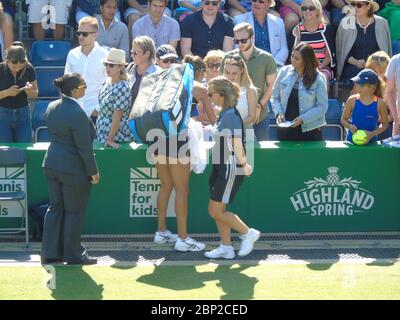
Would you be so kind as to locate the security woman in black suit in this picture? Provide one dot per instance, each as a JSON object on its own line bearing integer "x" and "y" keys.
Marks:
{"x": 70, "y": 169}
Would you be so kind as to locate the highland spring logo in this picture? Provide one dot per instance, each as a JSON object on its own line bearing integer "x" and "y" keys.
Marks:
{"x": 332, "y": 197}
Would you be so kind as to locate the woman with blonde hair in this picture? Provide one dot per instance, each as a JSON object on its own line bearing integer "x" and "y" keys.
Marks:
{"x": 314, "y": 31}
{"x": 228, "y": 171}
{"x": 115, "y": 102}
{"x": 236, "y": 71}
{"x": 378, "y": 62}
{"x": 213, "y": 61}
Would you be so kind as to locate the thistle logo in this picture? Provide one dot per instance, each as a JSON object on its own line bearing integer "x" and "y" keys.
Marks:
{"x": 144, "y": 187}
{"x": 11, "y": 180}
{"x": 332, "y": 196}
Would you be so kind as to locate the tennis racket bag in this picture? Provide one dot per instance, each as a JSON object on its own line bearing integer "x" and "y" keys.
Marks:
{"x": 163, "y": 102}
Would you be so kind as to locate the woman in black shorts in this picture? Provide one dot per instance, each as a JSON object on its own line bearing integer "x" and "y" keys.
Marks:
{"x": 229, "y": 169}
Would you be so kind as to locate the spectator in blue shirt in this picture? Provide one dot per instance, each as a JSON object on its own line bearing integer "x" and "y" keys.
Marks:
{"x": 206, "y": 30}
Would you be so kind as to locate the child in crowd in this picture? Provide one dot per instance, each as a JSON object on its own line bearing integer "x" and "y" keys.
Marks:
{"x": 367, "y": 108}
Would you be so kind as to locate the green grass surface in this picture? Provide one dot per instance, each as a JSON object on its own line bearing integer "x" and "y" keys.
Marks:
{"x": 336, "y": 281}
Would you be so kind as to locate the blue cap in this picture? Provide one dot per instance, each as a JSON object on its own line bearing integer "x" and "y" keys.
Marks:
{"x": 366, "y": 76}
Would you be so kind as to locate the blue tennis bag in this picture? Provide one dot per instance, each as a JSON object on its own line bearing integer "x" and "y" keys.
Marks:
{"x": 164, "y": 102}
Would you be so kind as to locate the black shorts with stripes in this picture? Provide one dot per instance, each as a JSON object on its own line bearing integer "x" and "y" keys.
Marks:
{"x": 224, "y": 182}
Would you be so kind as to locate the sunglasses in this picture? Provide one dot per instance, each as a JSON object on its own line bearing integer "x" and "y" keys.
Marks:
{"x": 261, "y": 1}
{"x": 310, "y": 8}
{"x": 380, "y": 59}
{"x": 244, "y": 41}
{"x": 83, "y": 34}
{"x": 213, "y": 65}
{"x": 214, "y": 3}
{"x": 82, "y": 86}
{"x": 359, "y": 4}
{"x": 111, "y": 65}
{"x": 170, "y": 60}
{"x": 17, "y": 62}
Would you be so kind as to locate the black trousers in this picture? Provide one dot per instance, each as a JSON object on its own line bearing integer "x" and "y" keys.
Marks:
{"x": 69, "y": 196}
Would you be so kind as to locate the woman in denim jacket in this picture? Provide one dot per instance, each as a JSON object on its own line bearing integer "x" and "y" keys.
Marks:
{"x": 299, "y": 96}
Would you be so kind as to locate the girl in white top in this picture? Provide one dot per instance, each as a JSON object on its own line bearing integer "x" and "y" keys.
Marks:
{"x": 236, "y": 71}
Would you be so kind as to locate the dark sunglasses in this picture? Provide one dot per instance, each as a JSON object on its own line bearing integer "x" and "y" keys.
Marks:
{"x": 17, "y": 62}
{"x": 111, "y": 65}
{"x": 169, "y": 60}
{"x": 359, "y": 4}
{"x": 261, "y": 1}
{"x": 380, "y": 59}
{"x": 244, "y": 41}
{"x": 310, "y": 8}
{"x": 214, "y": 3}
{"x": 213, "y": 65}
{"x": 83, "y": 34}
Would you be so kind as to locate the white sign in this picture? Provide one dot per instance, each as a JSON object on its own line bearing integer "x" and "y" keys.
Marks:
{"x": 332, "y": 196}
{"x": 144, "y": 187}
{"x": 11, "y": 180}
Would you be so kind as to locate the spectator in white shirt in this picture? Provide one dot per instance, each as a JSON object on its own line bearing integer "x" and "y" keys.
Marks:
{"x": 87, "y": 61}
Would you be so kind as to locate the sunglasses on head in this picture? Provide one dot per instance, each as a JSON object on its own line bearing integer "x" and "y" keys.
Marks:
{"x": 214, "y": 3}
{"x": 359, "y": 4}
{"x": 213, "y": 65}
{"x": 380, "y": 59}
{"x": 83, "y": 33}
{"x": 169, "y": 60}
{"x": 310, "y": 8}
{"x": 244, "y": 41}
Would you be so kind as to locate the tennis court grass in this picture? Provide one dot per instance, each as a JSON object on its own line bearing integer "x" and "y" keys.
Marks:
{"x": 312, "y": 281}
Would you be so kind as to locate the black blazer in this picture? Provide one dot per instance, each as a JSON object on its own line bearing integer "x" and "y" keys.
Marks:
{"x": 71, "y": 138}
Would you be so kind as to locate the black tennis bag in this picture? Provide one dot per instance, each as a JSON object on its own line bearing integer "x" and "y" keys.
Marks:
{"x": 163, "y": 102}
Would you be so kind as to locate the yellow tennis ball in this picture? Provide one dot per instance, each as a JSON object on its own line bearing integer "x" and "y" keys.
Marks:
{"x": 360, "y": 137}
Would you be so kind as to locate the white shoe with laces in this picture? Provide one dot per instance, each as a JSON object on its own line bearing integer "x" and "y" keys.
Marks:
{"x": 226, "y": 252}
{"x": 188, "y": 244}
{"x": 248, "y": 242}
{"x": 165, "y": 237}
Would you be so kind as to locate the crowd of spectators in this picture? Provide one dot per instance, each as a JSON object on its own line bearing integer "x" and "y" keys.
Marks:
{"x": 256, "y": 37}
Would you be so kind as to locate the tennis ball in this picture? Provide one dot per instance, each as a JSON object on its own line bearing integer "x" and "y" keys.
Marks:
{"x": 360, "y": 137}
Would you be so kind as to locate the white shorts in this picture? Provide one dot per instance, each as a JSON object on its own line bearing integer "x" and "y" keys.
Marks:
{"x": 59, "y": 11}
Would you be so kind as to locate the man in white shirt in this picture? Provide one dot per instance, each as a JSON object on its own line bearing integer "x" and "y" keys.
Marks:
{"x": 87, "y": 61}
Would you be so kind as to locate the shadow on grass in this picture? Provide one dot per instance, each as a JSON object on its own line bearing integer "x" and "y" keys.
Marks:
{"x": 234, "y": 283}
{"x": 73, "y": 283}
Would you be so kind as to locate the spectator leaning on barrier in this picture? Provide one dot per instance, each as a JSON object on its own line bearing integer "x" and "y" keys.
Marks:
{"x": 360, "y": 36}
{"x": 157, "y": 25}
{"x": 393, "y": 91}
{"x": 112, "y": 32}
{"x": 87, "y": 61}
{"x": 300, "y": 96}
{"x": 262, "y": 70}
{"x": 115, "y": 102}
{"x": 38, "y": 12}
{"x": 269, "y": 30}
{"x": 206, "y": 30}
{"x": 143, "y": 56}
{"x": 70, "y": 169}
{"x": 17, "y": 84}
{"x": 6, "y": 27}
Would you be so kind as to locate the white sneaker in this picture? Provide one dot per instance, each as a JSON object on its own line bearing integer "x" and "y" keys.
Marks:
{"x": 226, "y": 252}
{"x": 189, "y": 244}
{"x": 248, "y": 242}
{"x": 165, "y": 237}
